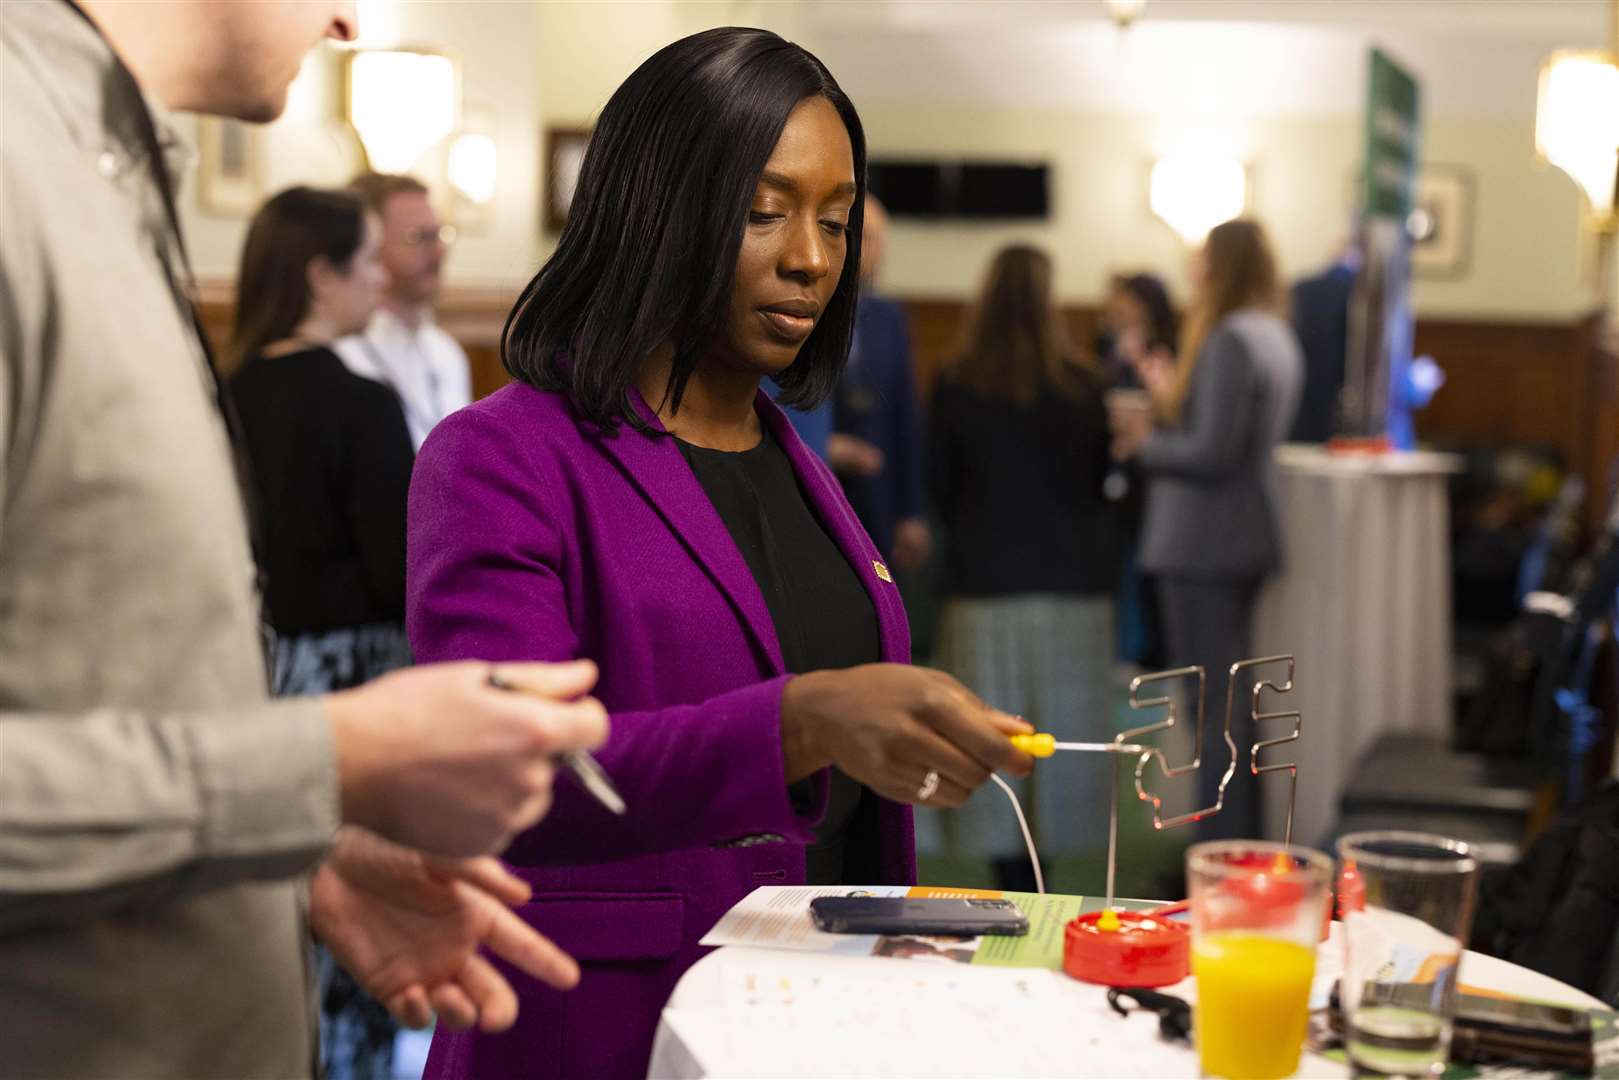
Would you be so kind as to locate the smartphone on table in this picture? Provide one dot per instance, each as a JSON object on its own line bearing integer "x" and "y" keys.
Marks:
{"x": 902, "y": 915}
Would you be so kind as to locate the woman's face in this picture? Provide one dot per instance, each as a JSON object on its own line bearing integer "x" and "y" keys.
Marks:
{"x": 1124, "y": 311}
{"x": 352, "y": 294}
{"x": 795, "y": 241}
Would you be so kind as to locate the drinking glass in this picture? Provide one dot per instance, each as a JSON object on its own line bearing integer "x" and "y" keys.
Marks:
{"x": 1407, "y": 901}
{"x": 1256, "y": 920}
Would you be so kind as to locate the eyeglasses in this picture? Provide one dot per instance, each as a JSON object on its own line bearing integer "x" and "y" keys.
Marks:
{"x": 442, "y": 235}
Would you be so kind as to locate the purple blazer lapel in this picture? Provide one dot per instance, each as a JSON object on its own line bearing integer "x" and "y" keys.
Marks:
{"x": 827, "y": 500}
{"x": 656, "y": 466}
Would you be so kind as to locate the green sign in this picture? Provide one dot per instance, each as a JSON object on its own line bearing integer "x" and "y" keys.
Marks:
{"x": 1391, "y": 140}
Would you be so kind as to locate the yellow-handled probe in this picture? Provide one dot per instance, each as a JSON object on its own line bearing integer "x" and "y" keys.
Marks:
{"x": 1038, "y": 744}
{"x": 1042, "y": 745}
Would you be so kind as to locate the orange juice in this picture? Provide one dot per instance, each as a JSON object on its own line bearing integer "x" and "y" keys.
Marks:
{"x": 1253, "y": 1004}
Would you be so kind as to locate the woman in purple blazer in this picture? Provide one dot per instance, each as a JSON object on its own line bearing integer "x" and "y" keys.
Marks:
{"x": 634, "y": 498}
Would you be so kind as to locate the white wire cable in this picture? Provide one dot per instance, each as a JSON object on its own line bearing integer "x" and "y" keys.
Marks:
{"x": 1028, "y": 839}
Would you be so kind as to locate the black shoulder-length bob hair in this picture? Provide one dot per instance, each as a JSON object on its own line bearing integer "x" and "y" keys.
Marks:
{"x": 650, "y": 248}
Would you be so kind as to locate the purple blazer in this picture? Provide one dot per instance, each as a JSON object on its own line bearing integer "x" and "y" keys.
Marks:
{"x": 534, "y": 536}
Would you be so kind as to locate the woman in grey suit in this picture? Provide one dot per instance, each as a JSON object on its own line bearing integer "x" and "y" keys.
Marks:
{"x": 1210, "y": 532}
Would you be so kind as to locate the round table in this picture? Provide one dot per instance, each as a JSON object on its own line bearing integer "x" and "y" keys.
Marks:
{"x": 1363, "y": 603}
{"x": 882, "y": 1017}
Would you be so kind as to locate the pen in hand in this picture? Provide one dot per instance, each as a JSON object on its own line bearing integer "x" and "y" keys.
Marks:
{"x": 586, "y": 769}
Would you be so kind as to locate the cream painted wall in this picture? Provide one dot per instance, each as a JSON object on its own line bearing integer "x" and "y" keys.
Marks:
{"x": 1525, "y": 241}
{"x": 1526, "y": 226}
{"x": 1524, "y": 262}
{"x": 556, "y": 63}
{"x": 587, "y": 47}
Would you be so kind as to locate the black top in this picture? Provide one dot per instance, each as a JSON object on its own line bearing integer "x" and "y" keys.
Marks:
{"x": 331, "y": 457}
{"x": 1019, "y": 491}
{"x": 823, "y": 616}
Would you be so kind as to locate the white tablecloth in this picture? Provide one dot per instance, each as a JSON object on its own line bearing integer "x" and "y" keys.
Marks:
{"x": 1045, "y": 1013}
{"x": 1363, "y": 602}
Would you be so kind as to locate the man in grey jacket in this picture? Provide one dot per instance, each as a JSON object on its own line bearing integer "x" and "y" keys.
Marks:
{"x": 159, "y": 816}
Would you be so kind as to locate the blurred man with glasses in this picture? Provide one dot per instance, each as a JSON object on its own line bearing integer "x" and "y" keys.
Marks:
{"x": 403, "y": 346}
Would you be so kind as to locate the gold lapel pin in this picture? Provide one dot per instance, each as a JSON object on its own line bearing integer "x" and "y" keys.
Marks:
{"x": 882, "y": 571}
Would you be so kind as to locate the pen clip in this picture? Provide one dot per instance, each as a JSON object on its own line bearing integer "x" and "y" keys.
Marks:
{"x": 593, "y": 778}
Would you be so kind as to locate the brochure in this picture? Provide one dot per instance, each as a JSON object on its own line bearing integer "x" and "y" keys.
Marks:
{"x": 777, "y": 917}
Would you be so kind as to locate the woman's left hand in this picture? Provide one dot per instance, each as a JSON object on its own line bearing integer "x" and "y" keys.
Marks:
{"x": 413, "y": 930}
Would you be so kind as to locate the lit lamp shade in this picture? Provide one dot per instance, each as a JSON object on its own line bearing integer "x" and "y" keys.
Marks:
{"x": 401, "y": 103}
{"x": 1577, "y": 125}
{"x": 1125, "y": 12}
{"x": 1192, "y": 193}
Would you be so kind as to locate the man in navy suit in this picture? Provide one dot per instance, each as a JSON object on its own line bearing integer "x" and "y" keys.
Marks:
{"x": 1321, "y": 321}
{"x": 870, "y": 431}
{"x": 1320, "y": 306}
{"x": 876, "y": 443}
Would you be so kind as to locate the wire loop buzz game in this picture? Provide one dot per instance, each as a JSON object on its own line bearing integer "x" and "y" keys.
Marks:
{"x": 1141, "y": 949}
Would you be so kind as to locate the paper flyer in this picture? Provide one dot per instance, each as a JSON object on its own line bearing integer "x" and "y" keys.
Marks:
{"x": 777, "y": 917}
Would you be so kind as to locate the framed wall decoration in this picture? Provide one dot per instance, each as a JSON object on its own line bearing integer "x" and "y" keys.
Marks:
{"x": 1441, "y": 222}
{"x": 564, "y": 154}
{"x": 230, "y": 167}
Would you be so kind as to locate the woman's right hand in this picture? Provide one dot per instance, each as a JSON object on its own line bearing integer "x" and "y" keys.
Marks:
{"x": 888, "y": 725}
{"x": 1157, "y": 371}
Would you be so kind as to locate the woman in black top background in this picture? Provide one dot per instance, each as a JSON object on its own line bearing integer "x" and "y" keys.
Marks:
{"x": 1018, "y": 455}
{"x": 331, "y": 460}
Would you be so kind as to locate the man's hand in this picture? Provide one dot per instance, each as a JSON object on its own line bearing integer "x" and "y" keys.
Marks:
{"x": 851, "y": 456}
{"x": 435, "y": 758}
{"x": 912, "y": 542}
{"x": 408, "y": 927}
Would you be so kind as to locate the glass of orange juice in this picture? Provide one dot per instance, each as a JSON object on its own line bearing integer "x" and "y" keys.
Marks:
{"x": 1256, "y": 920}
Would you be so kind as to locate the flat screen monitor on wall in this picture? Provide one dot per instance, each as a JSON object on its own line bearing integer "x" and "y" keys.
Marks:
{"x": 951, "y": 189}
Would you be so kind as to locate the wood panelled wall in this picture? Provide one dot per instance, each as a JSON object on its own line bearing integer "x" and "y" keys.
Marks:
{"x": 1520, "y": 383}
{"x": 1536, "y": 384}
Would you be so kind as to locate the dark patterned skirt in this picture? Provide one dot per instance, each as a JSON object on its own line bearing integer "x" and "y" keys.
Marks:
{"x": 356, "y": 1032}
{"x": 1049, "y": 659}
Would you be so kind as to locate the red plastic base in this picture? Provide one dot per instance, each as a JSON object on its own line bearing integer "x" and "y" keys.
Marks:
{"x": 1145, "y": 950}
{"x": 1371, "y": 444}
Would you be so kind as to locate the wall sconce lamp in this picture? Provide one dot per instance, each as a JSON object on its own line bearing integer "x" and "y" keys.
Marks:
{"x": 1194, "y": 192}
{"x": 1577, "y": 130}
{"x": 1125, "y": 12}
{"x": 401, "y": 103}
{"x": 1577, "y": 126}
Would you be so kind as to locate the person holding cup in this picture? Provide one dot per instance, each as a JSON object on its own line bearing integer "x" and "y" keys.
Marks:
{"x": 1210, "y": 534}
